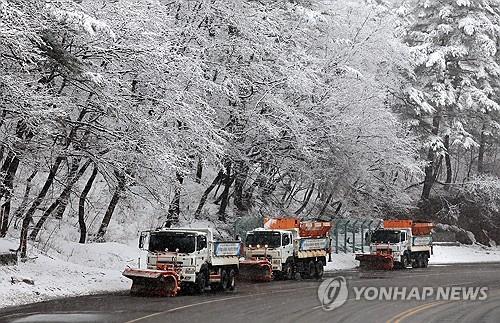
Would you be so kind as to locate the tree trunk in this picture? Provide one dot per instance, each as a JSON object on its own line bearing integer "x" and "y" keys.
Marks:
{"x": 323, "y": 209}
{"x": 429, "y": 169}
{"x": 204, "y": 197}
{"x": 112, "y": 204}
{"x": 225, "y": 194}
{"x": 174, "y": 208}
{"x": 8, "y": 187}
{"x": 447, "y": 159}
{"x": 28, "y": 216}
{"x": 81, "y": 205}
{"x": 240, "y": 177}
{"x": 480, "y": 156}
{"x": 62, "y": 201}
{"x": 22, "y": 207}
{"x": 306, "y": 200}
{"x": 4, "y": 171}
{"x": 199, "y": 171}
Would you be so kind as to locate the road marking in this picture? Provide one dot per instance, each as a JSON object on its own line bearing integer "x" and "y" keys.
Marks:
{"x": 414, "y": 310}
{"x": 215, "y": 301}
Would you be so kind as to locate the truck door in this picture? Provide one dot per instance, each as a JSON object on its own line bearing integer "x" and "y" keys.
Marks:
{"x": 201, "y": 251}
{"x": 405, "y": 241}
{"x": 287, "y": 246}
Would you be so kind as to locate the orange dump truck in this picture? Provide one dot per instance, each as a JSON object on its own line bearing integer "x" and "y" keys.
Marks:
{"x": 286, "y": 248}
{"x": 400, "y": 244}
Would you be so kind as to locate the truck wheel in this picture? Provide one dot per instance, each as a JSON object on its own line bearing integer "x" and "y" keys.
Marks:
{"x": 425, "y": 261}
{"x": 312, "y": 269}
{"x": 232, "y": 280}
{"x": 201, "y": 282}
{"x": 319, "y": 269}
{"x": 415, "y": 261}
{"x": 404, "y": 261}
{"x": 287, "y": 272}
{"x": 224, "y": 280}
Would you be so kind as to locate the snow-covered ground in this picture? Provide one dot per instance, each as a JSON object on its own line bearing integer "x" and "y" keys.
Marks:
{"x": 72, "y": 269}
{"x": 464, "y": 254}
{"x": 442, "y": 255}
{"x": 69, "y": 269}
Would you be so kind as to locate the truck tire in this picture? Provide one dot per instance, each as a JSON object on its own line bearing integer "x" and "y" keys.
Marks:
{"x": 425, "y": 261}
{"x": 232, "y": 280}
{"x": 201, "y": 281}
{"x": 415, "y": 261}
{"x": 224, "y": 280}
{"x": 405, "y": 261}
{"x": 287, "y": 271}
{"x": 319, "y": 270}
{"x": 312, "y": 269}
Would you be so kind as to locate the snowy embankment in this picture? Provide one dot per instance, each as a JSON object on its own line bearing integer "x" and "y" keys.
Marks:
{"x": 442, "y": 255}
{"x": 72, "y": 269}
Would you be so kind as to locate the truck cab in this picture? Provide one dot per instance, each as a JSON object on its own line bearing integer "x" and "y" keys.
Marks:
{"x": 274, "y": 245}
{"x": 186, "y": 249}
{"x": 191, "y": 251}
{"x": 391, "y": 241}
{"x": 400, "y": 244}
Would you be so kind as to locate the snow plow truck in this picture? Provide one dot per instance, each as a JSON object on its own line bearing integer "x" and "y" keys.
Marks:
{"x": 286, "y": 248}
{"x": 399, "y": 244}
{"x": 184, "y": 259}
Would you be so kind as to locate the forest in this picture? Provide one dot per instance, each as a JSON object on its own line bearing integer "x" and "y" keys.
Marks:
{"x": 122, "y": 115}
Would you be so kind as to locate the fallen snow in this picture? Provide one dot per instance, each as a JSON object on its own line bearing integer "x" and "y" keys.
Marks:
{"x": 6, "y": 245}
{"x": 341, "y": 261}
{"x": 71, "y": 269}
{"x": 464, "y": 254}
{"x": 442, "y": 255}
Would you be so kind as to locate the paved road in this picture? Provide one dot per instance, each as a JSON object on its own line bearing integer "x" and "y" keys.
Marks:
{"x": 287, "y": 301}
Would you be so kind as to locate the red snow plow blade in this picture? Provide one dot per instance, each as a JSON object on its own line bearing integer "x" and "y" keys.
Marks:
{"x": 255, "y": 270}
{"x": 151, "y": 282}
{"x": 377, "y": 261}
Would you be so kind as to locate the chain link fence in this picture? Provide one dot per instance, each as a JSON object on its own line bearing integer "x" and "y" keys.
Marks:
{"x": 347, "y": 235}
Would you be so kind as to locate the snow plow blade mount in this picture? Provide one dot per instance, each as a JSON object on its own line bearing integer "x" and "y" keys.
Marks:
{"x": 150, "y": 282}
{"x": 375, "y": 262}
{"x": 255, "y": 270}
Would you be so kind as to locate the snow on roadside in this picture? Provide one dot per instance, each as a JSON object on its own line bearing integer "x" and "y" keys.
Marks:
{"x": 442, "y": 255}
{"x": 72, "y": 269}
{"x": 464, "y": 254}
{"x": 341, "y": 261}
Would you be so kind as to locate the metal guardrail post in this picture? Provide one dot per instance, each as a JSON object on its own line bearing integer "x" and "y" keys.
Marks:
{"x": 345, "y": 235}
{"x": 363, "y": 236}
{"x": 354, "y": 236}
{"x": 337, "y": 238}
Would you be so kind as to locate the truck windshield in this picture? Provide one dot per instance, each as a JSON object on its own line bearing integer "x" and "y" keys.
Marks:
{"x": 170, "y": 241}
{"x": 385, "y": 236}
{"x": 272, "y": 239}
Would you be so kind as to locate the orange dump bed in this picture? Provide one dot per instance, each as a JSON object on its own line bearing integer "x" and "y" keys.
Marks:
{"x": 281, "y": 223}
{"x": 417, "y": 228}
{"x": 422, "y": 228}
{"x": 314, "y": 229}
{"x": 306, "y": 228}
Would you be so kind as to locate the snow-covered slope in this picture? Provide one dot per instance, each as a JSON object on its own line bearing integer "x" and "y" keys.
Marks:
{"x": 73, "y": 269}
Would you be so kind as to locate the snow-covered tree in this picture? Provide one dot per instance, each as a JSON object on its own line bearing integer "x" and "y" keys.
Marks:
{"x": 454, "y": 88}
